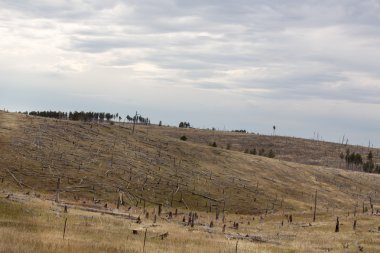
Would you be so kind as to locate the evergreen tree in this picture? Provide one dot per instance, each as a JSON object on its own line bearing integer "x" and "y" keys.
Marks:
{"x": 271, "y": 154}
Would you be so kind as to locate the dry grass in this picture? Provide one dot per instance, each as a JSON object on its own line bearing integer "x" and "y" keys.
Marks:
{"x": 35, "y": 225}
{"x": 305, "y": 151}
{"x": 96, "y": 162}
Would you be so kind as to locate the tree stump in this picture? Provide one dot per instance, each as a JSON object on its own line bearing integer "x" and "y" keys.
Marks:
{"x": 337, "y": 225}
{"x": 159, "y": 209}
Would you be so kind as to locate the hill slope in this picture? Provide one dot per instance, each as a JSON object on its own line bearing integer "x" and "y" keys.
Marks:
{"x": 98, "y": 162}
{"x": 291, "y": 149}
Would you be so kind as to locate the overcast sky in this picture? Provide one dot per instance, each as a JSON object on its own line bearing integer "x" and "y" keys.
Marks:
{"x": 306, "y": 66}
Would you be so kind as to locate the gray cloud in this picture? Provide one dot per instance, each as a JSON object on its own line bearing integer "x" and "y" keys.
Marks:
{"x": 235, "y": 54}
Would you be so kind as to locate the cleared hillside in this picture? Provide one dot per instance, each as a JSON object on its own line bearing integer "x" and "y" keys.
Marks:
{"x": 99, "y": 162}
{"x": 290, "y": 149}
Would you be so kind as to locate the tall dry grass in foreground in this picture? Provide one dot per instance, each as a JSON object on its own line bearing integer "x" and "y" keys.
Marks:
{"x": 35, "y": 225}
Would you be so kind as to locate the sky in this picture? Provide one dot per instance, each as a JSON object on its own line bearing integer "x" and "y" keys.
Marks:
{"x": 311, "y": 68}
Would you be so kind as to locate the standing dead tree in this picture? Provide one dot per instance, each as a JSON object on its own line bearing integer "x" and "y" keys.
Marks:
{"x": 337, "y": 225}
{"x": 146, "y": 230}
{"x": 370, "y": 204}
{"x": 58, "y": 190}
{"x": 64, "y": 229}
{"x": 159, "y": 209}
{"x": 315, "y": 205}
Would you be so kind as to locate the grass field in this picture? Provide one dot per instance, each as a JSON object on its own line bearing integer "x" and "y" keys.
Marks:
{"x": 99, "y": 165}
{"x": 29, "y": 224}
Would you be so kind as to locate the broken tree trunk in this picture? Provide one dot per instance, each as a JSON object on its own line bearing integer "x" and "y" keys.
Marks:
{"x": 146, "y": 230}
{"x": 64, "y": 229}
{"x": 315, "y": 205}
{"x": 159, "y": 209}
{"x": 20, "y": 184}
{"x": 57, "y": 190}
{"x": 337, "y": 225}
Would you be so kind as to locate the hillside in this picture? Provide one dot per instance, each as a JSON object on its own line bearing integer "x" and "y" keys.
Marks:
{"x": 135, "y": 191}
{"x": 292, "y": 149}
{"x": 98, "y": 162}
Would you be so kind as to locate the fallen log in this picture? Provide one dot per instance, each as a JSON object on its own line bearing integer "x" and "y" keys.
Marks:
{"x": 21, "y": 184}
{"x": 251, "y": 238}
{"x": 206, "y": 197}
{"x": 102, "y": 211}
{"x": 14, "y": 178}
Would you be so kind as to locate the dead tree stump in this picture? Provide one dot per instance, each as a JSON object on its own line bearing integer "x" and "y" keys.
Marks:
{"x": 64, "y": 229}
{"x": 315, "y": 205}
{"x": 337, "y": 225}
{"x": 146, "y": 230}
{"x": 57, "y": 190}
{"x": 159, "y": 209}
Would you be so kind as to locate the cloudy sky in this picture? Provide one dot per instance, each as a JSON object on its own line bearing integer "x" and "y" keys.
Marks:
{"x": 306, "y": 66}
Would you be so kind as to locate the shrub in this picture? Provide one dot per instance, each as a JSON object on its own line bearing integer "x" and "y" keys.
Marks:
{"x": 183, "y": 138}
{"x": 271, "y": 154}
{"x": 213, "y": 144}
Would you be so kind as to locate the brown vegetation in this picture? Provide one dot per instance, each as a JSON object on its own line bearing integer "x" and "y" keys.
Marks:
{"x": 101, "y": 168}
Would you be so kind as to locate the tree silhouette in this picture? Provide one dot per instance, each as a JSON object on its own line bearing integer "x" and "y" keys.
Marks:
{"x": 184, "y": 124}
